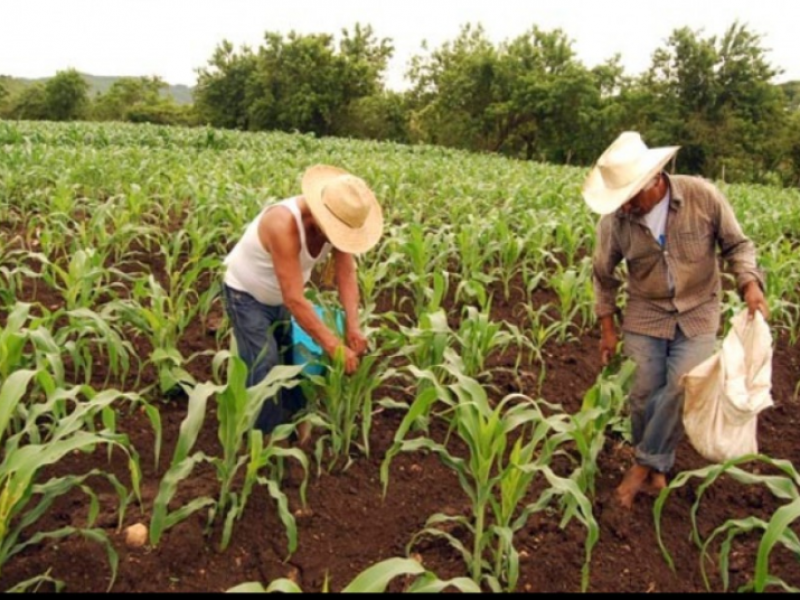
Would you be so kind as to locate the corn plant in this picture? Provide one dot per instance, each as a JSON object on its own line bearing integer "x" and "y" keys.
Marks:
{"x": 89, "y": 336}
{"x": 372, "y": 277}
{"x": 13, "y": 273}
{"x": 84, "y": 279}
{"x": 510, "y": 253}
{"x": 373, "y": 580}
{"x": 784, "y": 486}
{"x": 487, "y": 473}
{"x": 471, "y": 247}
{"x": 40, "y": 441}
{"x": 473, "y": 289}
{"x": 242, "y": 446}
{"x": 22, "y": 328}
{"x": 424, "y": 256}
{"x": 343, "y": 406}
{"x": 478, "y": 337}
{"x": 12, "y": 340}
{"x": 570, "y": 238}
{"x": 425, "y": 345}
{"x": 602, "y": 410}
{"x": 572, "y": 288}
{"x": 152, "y": 312}
{"x": 539, "y": 334}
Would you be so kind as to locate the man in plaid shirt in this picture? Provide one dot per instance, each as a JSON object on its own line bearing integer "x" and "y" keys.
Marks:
{"x": 667, "y": 229}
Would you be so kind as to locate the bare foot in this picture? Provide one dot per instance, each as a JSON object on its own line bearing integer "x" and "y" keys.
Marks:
{"x": 655, "y": 483}
{"x": 632, "y": 483}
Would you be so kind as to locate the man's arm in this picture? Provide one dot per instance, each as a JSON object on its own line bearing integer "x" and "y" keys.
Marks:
{"x": 739, "y": 254}
{"x": 279, "y": 235}
{"x": 347, "y": 283}
{"x": 604, "y": 263}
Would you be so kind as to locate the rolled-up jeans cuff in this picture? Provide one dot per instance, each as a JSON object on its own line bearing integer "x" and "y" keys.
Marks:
{"x": 659, "y": 462}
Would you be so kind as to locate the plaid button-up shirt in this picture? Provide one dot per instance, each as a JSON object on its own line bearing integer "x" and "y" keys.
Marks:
{"x": 699, "y": 221}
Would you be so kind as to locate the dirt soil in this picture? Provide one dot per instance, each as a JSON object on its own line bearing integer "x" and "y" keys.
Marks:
{"x": 348, "y": 525}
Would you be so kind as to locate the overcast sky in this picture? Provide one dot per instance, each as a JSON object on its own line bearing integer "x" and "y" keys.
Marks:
{"x": 172, "y": 38}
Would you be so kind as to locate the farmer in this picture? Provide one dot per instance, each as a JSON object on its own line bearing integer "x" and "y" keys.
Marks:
{"x": 667, "y": 229}
{"x": 268, "y": 268}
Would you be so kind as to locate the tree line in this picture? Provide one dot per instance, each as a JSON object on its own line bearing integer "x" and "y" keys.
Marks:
{"x": 528, "y": 97}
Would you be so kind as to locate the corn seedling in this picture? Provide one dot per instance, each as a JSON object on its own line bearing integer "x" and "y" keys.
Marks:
{"x": 785, "y": 486}
{"x": 487, "y": 473}
{"x": 237, "y": 409}
{"x": 343, "y": 406}
{"x": 32, "y": 448}
{"x": 374, "y": 580}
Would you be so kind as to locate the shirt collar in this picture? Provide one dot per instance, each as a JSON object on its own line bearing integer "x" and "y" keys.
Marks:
{"x": 675, "y": 191}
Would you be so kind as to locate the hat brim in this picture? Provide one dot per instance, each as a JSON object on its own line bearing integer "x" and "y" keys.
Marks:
{"x": 603, "y": 200}
{"x": 341, "y": 237}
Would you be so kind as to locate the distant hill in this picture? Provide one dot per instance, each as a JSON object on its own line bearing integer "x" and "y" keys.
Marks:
{"x": 99, "y": 84}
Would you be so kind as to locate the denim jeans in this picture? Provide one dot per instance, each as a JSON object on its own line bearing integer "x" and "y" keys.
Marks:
{"x": 657, "y": 396}
{"x": 263, "y": 340}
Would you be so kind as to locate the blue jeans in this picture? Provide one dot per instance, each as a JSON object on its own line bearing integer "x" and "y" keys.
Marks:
{"x": 263, "y": 340}
{"x": 657, "y": 396}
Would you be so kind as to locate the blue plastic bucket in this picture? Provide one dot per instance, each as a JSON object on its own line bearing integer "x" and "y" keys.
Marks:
{"x": 305, "y": 351}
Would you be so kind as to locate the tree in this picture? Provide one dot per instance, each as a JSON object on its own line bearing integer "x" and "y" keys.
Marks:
{"x": 66, "y": 96}
{"x": 791, "y": 90}
{"x": 454, "y": 91}
{"x": 220, "y": 96}
{"x": 125, "y": 94}
{"x": 715, "y": 98}
{"x": 29, "y": 103}
{"x": 556, "y": 99}
{"x": 529, "y": 97}
{"x": 303, "y": 82}
{"x": 294, "y": 82}
{"x": 381, "y": 116}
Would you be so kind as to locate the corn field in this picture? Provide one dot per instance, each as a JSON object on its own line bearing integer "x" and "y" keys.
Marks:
{"x": 476, "y": 448}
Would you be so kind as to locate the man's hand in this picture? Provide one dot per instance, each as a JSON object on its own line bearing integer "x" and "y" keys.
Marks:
{"x": 356, "y": 341}
{"x": 755, "y": 300}
{"x": 608, "y": 346}
{"x": 608, "y": 339}
{"x": 349, "y": 357}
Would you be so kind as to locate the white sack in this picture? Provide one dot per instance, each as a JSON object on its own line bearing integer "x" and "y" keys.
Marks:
{"x": 725, "y": 393}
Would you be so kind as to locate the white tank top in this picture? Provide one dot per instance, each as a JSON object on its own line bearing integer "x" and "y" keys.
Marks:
{"x": 249, "y": 265}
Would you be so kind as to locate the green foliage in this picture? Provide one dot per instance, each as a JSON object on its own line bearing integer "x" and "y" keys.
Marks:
{"x": 382, "y": 116}
{"x": 243, "y": 448}
{"x": 374, "y": 580}
{"x": 527, "y": 97}
{"x": 784, "y": 486}
{"x": 139, "y": 100}
{"x": 221, "y": 92}
{"x": 66, "y": 96}
{"x": 495, "y": 479}
{"x": 39, "y": 434}
{"x": 714, "y": 96}
{"x": 297, "y": 82}
{"x": 29, "y": 104}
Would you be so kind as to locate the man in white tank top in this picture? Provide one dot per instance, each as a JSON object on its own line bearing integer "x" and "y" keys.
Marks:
{"x": 266, "y": 273}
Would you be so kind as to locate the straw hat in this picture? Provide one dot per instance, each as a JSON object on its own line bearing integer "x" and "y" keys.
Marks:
{"x": 622, "y": 170}
{"x": 344, "y": 207}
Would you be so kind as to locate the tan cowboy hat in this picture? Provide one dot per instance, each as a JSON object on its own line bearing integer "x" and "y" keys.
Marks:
{"x": 622, "y": 170}
{"x": 344, "y": 207}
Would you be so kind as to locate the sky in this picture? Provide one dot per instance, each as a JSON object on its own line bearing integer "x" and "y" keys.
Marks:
{"x": 173, "y": 38}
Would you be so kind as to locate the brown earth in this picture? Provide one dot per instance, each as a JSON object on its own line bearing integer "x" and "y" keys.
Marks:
{"x": 349, "y": 526}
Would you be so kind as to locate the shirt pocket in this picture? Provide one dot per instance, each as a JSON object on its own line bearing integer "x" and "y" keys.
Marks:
{"x": 693, "y": 246}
